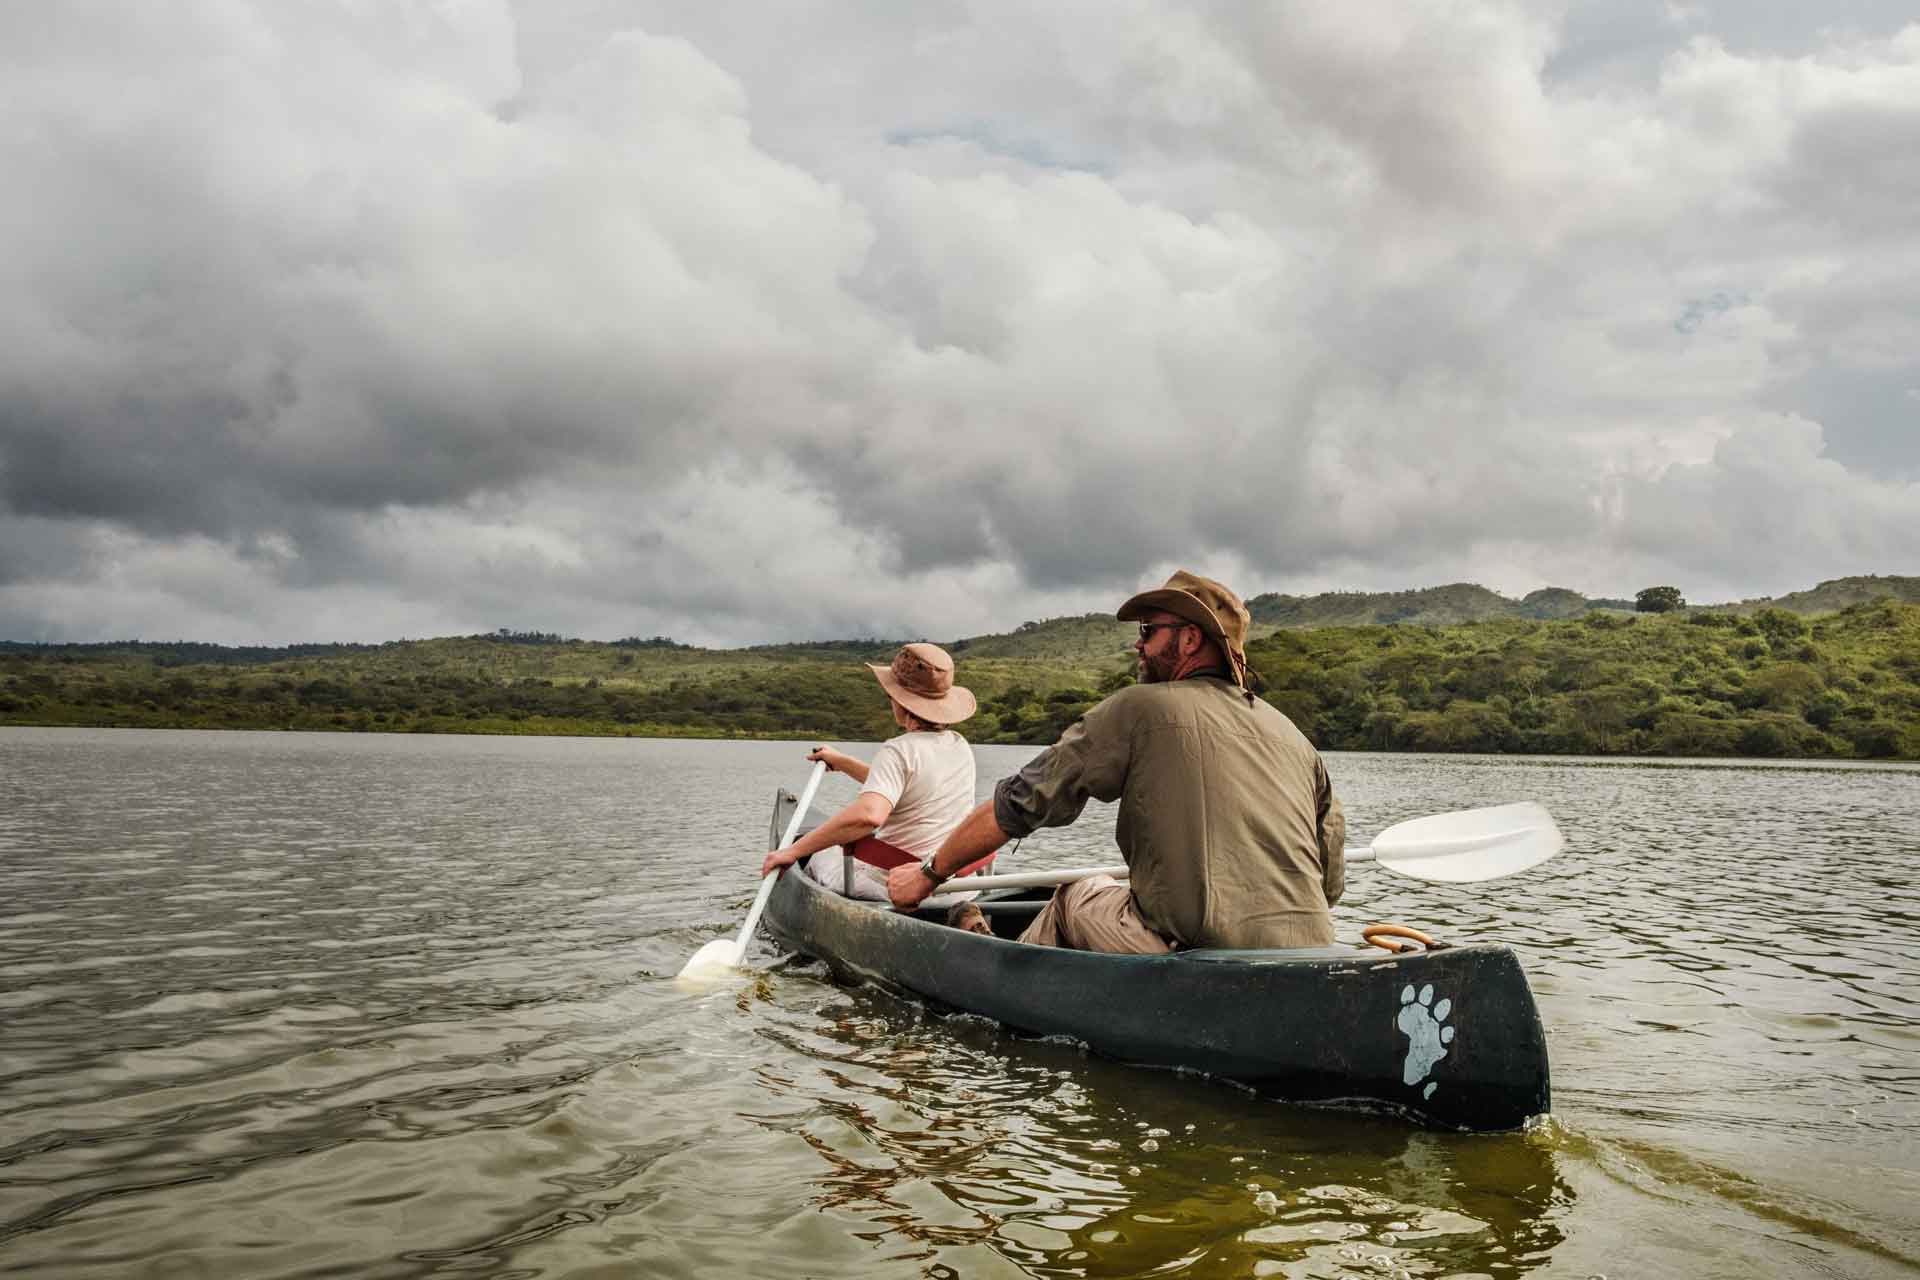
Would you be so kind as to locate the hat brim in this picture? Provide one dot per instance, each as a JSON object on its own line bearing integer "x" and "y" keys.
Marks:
{"x": 1182, "y": 604}
{"x": 957, "y": 704}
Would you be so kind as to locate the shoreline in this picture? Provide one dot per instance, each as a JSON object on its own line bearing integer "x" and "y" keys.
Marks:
{"x": 1889, "y": 764}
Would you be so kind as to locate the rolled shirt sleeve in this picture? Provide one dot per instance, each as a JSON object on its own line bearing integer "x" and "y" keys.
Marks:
{"x": 1332, "y": 834}
{"x": 1088, "y": 763}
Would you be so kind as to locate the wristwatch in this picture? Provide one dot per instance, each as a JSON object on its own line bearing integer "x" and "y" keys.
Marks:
{"x": 926, "y": 869}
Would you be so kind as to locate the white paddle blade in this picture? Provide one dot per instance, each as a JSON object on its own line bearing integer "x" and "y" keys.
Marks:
{"x": 721, "y": 957}
{"x": 1473, "y": 844}
{"x": 715, "y": 960}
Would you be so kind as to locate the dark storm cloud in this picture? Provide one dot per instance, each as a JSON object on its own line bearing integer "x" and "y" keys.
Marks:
{"x": 34, "y": 550}
{"x": 632, "y": 317}
{"x": 218, "y": 315}
{"x": 1872, "y": 416}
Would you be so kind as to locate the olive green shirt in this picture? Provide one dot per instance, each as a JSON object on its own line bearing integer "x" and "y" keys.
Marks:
{"x": 1228, "y": 822}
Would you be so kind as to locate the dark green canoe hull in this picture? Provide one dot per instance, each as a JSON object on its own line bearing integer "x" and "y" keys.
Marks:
{"x": 1447, "y": 1038}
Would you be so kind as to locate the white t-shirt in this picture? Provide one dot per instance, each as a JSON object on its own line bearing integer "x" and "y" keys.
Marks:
{"x": 929, "y": 779}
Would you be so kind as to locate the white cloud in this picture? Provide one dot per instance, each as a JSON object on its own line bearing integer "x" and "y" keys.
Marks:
{"x": 415, "y": 317}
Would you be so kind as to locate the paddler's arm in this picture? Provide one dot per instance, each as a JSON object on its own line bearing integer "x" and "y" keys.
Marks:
{"x": 1332, "y": 833}
{"x": 1089, "y": 762}
{"x": 866, "y": 815}
{"x": 840, "y": 762}
{"x": 977, "y": 836}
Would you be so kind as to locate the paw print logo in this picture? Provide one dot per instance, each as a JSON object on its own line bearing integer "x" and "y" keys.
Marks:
{"x": 1424, "y": 1024}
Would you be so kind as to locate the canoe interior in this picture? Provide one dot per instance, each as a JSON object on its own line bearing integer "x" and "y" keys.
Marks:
{"x": 1450, "y": 1038}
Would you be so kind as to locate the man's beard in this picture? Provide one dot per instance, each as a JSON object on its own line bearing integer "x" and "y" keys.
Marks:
{"x": 1156, "y": 668}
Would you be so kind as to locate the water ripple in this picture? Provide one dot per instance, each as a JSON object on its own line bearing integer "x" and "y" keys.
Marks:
{"x": 290, "y": 1005}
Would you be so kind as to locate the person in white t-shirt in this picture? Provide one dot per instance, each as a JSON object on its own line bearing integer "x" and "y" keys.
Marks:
{"x": 916, "y": 791}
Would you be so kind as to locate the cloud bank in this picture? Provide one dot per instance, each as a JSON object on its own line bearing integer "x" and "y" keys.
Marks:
{"x": 354, "y": 322}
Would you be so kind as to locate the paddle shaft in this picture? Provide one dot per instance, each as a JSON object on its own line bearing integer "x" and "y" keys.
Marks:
{"x": 1460, "y": 848}
{"x": 1028, "y": 879}
{"x": 1042, "y": 879}
{"x": 793, "y": 830}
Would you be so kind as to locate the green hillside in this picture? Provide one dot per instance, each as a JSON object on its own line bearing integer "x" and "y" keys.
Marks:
{"x": 1830, "y": 672}
{"x": 1430, "y": 606}
{"x": 1834, "y": 595}
{"x": 1434, "y": 606}
{"x": 1842, "y": 685}
{"x": 505, "y": 683}
{"x": 1091, "y": 637}
{"x": 1701, "y": 684}
{"x": 1096, "y": 637}
{"x": 1469, "y": 602}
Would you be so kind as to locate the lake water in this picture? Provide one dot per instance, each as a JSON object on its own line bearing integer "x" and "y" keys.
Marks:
{"x": 279, "y": 1005}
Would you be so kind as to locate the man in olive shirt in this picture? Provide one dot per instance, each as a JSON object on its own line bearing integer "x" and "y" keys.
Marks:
{"x": 1228, "y": 823}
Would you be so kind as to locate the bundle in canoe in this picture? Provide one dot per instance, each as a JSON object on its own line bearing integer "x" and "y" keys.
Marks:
{"x": 1447, "y": 1038}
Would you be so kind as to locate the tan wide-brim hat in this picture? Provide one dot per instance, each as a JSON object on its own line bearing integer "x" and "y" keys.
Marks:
{"x": 1207, "y": 605}
{"x": 921, "y": 680}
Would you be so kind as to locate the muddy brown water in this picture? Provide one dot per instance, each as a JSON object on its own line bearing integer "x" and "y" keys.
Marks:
{"x": 285, "y": 1005}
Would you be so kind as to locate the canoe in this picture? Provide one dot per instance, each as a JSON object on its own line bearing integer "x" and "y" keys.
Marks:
{"x": 1448, "y": 1038}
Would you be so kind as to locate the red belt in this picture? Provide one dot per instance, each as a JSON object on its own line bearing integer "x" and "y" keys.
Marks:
{"x": 879, "y": 853}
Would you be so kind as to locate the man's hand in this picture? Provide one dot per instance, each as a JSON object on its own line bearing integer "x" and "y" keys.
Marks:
{"x": 908, "y": 886}
{"x": 977, "y": 836}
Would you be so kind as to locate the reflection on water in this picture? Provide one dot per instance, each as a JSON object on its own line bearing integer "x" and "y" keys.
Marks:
{"x": 1070, "y": 1166}
{"x": 291, "y": 1005}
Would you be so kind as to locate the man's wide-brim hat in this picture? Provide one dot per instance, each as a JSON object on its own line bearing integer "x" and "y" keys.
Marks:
{"x": 920, "y": 678}
{"x": 1207, "y": 605}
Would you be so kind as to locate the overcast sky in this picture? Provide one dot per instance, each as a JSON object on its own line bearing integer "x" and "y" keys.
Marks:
{"x": 743, "y": 323}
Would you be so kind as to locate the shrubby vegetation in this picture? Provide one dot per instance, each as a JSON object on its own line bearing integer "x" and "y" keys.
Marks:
{"x": 516, "y": 683}
{"x": 1767, "y": 683}
{"x": 1427, "y": 606}
{"x": 1469, "y": 602}
{"x": 1705, "y": 684}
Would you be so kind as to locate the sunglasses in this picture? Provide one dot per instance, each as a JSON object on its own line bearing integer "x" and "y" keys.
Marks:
{"x": 1148, "y": 628}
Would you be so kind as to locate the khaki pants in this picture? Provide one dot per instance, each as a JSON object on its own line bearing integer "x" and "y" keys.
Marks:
{"x": 1095, "y": 914}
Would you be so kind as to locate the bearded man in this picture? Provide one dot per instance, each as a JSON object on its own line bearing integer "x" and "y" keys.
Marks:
{"x": 1228, "y": 822}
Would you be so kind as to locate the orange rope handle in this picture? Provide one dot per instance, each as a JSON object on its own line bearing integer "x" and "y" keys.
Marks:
{"x": 1383, "y": 935}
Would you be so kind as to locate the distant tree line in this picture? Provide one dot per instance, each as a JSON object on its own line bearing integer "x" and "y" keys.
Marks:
{"x": 652, "y": 642}
{"x": 506, "y": 636}
{"x": 182, "y": 653}
{"x": 1844, "y": 685}
{"x": 1773, "y": 684}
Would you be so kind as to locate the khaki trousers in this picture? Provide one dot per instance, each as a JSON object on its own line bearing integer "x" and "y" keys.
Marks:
{"x": 1095, "y": 914}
